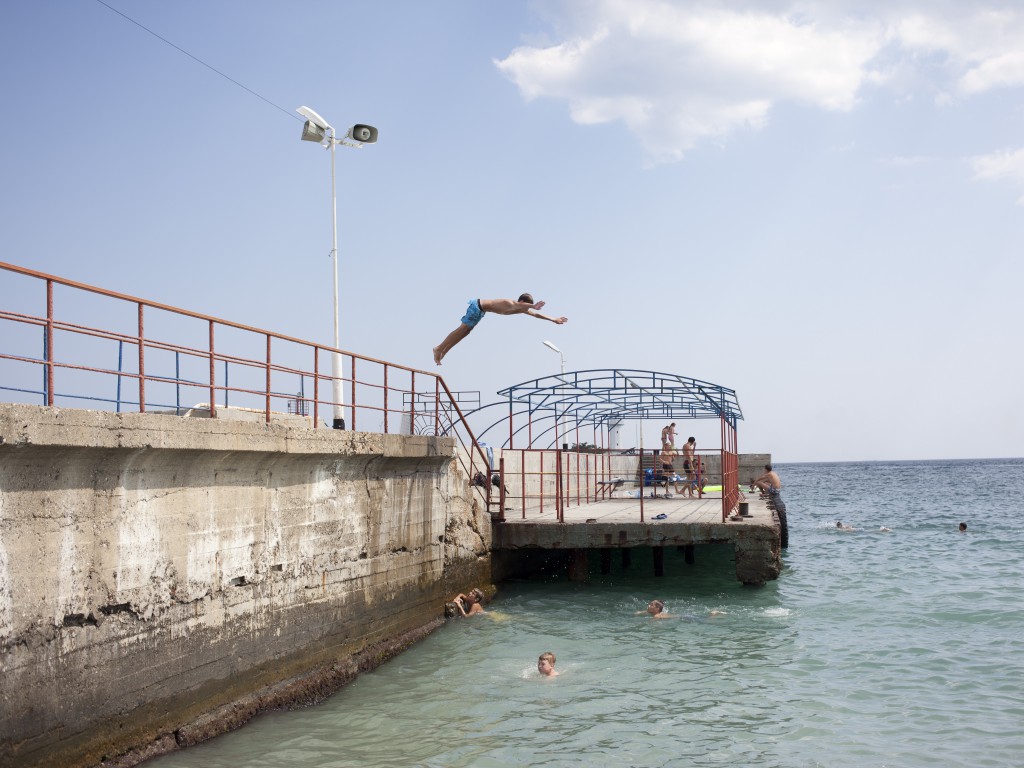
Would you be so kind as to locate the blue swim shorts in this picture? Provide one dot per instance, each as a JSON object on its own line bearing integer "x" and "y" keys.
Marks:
{"x": 473, "y": 314}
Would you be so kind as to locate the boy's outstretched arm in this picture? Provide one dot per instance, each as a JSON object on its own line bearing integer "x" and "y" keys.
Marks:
{"x": 539, "y": 316}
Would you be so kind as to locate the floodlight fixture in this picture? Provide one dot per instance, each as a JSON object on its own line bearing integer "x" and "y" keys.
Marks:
{"x": 313, "y": 132}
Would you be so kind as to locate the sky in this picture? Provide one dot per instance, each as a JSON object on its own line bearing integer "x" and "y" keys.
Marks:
{"x": 819, "y": 205}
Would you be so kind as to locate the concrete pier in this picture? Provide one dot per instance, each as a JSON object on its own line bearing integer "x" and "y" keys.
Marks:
{"x": 164, "y": 579}
{"x": 616, "y": 524}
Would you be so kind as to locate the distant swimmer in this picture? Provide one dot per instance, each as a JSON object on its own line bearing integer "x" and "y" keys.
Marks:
{"x": 883, "y": 529}
{"x": 963, "y": 528}
{"x": 840, "y": 526}
{"x": 656, "y": 610}
{"x": 524, "y": 305}
{"x": 546, "y": 664}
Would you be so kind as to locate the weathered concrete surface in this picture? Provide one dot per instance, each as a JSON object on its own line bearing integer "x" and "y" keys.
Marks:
{"x": 162, "y": 579}
{"x": 756, "y": 546}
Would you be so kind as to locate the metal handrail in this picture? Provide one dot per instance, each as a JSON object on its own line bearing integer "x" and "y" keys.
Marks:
{"x": 373, "y": 392}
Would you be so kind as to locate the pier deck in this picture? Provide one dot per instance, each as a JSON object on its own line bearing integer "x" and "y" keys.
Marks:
{"x": 616, "y": 524}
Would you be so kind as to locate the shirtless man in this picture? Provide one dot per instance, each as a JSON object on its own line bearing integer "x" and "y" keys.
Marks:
{"x": 524, "y": 305}
{"x": 668, "y": 436}
{"x": 668, "y": 455}
{"x": 689, "y": 464}
{"x": 768, "y": 482}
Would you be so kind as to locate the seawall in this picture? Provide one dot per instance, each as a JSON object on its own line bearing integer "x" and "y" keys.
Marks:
{"x": 163, "y": 579}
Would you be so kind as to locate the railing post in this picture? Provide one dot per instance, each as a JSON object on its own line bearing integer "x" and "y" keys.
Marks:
{"x": 386, "y": 389}
{"x": 541, "y": 484}
{"x": 268, "y": 381}
{"x": 142, "y": 361}
{"x": 316, "y": 387}
{"x": 120, "y": 367}
{"x": 48, "y": 343}
{"x": 412, "y": 416}
{"x": 213, "y": 377}
{"x": 437, "y": 408}
{"x": 522, "y": 481}
{"x": 501, "y": 489}
{"x": 560, "y": 496}
{"x": 352, "y": 398}
{"x": 643, "y": 477}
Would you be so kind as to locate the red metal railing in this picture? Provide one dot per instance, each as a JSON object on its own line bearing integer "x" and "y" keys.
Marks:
{"x": 186, "y": 363}
{"x": 536, "y": 482}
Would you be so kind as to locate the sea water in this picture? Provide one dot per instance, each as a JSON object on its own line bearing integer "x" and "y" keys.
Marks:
{"x": 874, "y": 648}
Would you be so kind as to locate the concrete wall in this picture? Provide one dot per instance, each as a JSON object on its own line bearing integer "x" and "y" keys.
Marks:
{"x": 162, "y": 579}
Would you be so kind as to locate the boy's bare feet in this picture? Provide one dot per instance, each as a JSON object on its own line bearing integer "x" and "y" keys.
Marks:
{"x": 437, "y": 356}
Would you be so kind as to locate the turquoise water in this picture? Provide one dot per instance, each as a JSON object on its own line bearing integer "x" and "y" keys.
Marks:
{"x": 873, "y": 649}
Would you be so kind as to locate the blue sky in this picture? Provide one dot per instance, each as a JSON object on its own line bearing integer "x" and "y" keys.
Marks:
{"x": 819, "y": 205}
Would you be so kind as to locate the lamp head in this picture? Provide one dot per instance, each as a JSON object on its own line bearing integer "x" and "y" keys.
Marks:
{"x": 552, "y": 347}
{"x": 313, "y": 132}
{"x": 314, "y": 118}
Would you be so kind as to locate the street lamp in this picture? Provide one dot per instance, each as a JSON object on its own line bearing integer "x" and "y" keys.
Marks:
{"x": 319, "y": 130}
{"x": 553, "y": 348}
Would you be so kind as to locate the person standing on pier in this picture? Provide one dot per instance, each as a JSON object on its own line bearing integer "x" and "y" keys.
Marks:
{"x": 524, "y": 305}
{"x": 690, "y": 463}
{"x": 668, "y": 437}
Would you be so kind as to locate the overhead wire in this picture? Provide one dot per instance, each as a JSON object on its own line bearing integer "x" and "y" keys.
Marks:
{"x": 198, "y": 60}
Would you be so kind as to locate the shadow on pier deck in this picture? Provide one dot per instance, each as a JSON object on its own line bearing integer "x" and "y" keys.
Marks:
{"x": 616, "y": 524}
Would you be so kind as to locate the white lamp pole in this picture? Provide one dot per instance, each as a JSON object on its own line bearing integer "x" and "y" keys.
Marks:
{"x": 553, "y": 348}
{"x": 319, "y": 130}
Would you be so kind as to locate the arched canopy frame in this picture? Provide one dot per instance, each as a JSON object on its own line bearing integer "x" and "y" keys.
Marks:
{"x": 602, "y": 398}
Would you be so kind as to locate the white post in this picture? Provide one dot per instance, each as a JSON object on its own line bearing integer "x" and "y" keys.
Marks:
{"x": 337, "y": 371}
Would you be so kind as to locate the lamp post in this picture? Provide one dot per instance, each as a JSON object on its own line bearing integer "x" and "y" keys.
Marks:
{"x": 553, "y": 348}
{"x": 319, "y": 130}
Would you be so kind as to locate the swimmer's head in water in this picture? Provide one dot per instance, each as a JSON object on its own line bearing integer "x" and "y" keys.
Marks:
{"x": 655, "y": 607}
{"x": 546, "y": 663}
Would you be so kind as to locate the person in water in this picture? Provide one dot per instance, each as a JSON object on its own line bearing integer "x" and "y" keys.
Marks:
{"x": 840, "y": 526}
{"x": 655, "y": 609}
{"x": 471, "y": 604}
{"x": 524, "y": 305}
{"x": 963, "y": 528}
{"x": 546, "y": 664}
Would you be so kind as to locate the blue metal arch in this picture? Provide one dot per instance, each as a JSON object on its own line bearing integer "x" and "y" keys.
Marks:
{"x": 598, "y": 397}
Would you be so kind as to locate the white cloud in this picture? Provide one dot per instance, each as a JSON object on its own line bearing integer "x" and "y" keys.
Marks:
{"x": 1006, "y": 164}
{"x": 676, "y": 73}
{"x": 1002, "y": 71}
